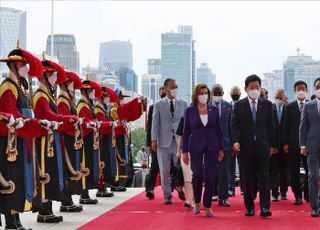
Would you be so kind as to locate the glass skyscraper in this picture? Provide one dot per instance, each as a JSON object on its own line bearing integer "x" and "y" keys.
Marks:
{"x": 176, "y": 61}
{"x": 12, "y": 28}
{"x": 205, "y": 75}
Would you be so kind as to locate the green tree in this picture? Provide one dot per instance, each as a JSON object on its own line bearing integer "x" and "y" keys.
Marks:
{"x": 138, "y": 138}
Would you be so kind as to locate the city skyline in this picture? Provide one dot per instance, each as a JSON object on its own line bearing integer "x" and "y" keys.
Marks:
{"x": 235, "y": 38}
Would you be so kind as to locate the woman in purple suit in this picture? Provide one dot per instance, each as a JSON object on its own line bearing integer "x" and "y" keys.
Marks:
{"x": 203, "y": 139}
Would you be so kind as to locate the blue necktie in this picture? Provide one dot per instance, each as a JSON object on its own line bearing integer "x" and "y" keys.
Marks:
{"x": 254, "y": 116}
{"x": 254, "y": 111}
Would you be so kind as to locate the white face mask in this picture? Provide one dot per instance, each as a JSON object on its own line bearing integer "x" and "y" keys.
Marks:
{"x": 203, "y": 99}
{"x": 174, "y": 92}
{"x": 91, "y": 95}
{"x": 217, "y": 99}
{"x": 52, "y": 80}
{"x": 106, "y": 100}
{"x": 254, "y": 94}
{"x": 23, "y": 71}
{"x": 279, "y": 102}
{"x": 301, "y": 94}
{"x": 317, "y": 93}
{"x": 70, "y": 88}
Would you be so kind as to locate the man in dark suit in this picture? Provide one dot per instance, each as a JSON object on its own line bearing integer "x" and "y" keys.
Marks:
{"x": 154, "y": 169}
{"x": 224, "y": 109}
{"x": 279, "y": 161}
{"x": 310, "y": 145}
{"x": 252, "y": 131}
{"x": 292, "y": 116}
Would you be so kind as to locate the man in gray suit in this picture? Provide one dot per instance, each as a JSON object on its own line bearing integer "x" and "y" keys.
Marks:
{"x": 165, "y": 120}
{"x": 310, "y": 145}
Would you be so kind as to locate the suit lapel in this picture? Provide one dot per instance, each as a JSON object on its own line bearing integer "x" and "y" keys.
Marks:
{"x": 166, "y": 106}
{"x": 259, "y": 109}
{"x": 176, "y": 109}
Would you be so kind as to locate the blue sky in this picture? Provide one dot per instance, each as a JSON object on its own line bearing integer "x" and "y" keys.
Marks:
{"x": 235, "y": 38}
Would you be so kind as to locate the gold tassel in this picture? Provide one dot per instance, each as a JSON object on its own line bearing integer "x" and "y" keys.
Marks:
{"x": 12, "y": 151}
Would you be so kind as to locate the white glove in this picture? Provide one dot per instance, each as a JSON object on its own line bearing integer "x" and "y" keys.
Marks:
{"x": 56, "y": 125}
{"x": 20, "y": 123}
{"x": 114, "y": 124}
{"x": 11, "y": 121}
{"x": 98, "y": 124}
{"x": 46, "y": 124}
{"x": 91, "y": 125}
{"x": 80, "y": 120}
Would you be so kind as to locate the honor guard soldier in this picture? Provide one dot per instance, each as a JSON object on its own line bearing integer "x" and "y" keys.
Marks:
{"x": 90, "y": 157}
{"x": 71, "y": 141}
{"x": 49, "y": 146}
{"x": 17, "y": 153}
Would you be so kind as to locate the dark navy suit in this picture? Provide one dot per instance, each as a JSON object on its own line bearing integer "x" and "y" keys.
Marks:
{"x": 203, "y": 143}
{"x": 225, "y": 109}
{"x": 255, "y": 138}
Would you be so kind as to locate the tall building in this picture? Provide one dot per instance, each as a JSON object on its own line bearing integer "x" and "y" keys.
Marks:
{"x": 150, "y": 85}
{"x": 272, "y": 82}
{"x": 115, "y": 55}
{"x": 188, "y": 30}
{"x": 128, "y": 79}
{"x": 205, "y": 75}
{"x": 176, "y": 61}
{"x": 300, "y": 67}
{"x": 12, "y": 27}
{"x": 154, "y": 66}
{"x": 65, "y": 50}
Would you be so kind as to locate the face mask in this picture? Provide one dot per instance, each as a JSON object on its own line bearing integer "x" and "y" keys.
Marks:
{"x": 217, "y": 98}
{"x": 70, "y": 88}
{"x": 235, "y": 97}
{"x": 254, "y": 94}
{"x": 106, "y": 100}
{"x": 301, "y": 94}
{"x": 317, "y": 93}
{"x": 91, "y": 95}
{"x": 52, "y": 80}
{"x": 23, "y": 71}
{"x": 279, "y": 102}
{"x": 174, "y": 92}
{"x": 163, "y": 95}
{"x": 203, "y": 99}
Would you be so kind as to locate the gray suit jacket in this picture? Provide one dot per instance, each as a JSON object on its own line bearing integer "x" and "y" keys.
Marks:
{"x": 164, "y": 127}
{"x": 310, "y": 127}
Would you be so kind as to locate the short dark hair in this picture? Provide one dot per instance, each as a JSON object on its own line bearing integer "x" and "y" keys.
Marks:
{"x": 252, "y": 78}
{"x": 300, "y": 83}
{"x": 166, "y": 82}
{"x": 315, "y": 81}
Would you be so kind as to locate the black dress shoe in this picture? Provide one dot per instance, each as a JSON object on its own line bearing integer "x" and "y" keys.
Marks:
{"x": 265, "y": 212}
{"x": 71, "y": 208}
{"x": 284, "y": 197}
{"x": 215, "y": 198}
{"x": 168, "y": 200}
{"x": 231, "y": 193}
{"x": 297, "y": 201}
{"x": 315, "y": 212}
{"x": 118, "y": 189}
{"x": 49, "y": 218}
{"x": 150, "y": 195}
{"x": 104, "y": 194}
{"x": 224, "y": 203}
{"x": 275, "y": 198}
{"x": 88, "y": 201}
{"x": 249, "y": 212}
{"x": 187, "y": 205}
{"x": 181, "y": 195}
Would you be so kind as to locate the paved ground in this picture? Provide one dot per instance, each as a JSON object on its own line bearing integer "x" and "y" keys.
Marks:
{"x": 75, "y": 220}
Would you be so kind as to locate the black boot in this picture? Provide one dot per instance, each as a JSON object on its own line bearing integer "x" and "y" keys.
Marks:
{"x": 69, "y": 206}
{"x": 0, "y": 221}
{"x": 10, "y": 222}
{"x": 19, "y": 223}
{"x": 85, "y": 198}
{"x": 103, "y": 192}
{"x": 118, "y": 188}
{"x": 46, "y": 215}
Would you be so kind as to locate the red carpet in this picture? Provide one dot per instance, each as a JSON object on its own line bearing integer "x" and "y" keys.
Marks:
{"x": 141, "y": 213}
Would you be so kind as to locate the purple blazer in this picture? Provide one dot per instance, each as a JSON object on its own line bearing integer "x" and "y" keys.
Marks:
{"x": 200, "y": 138}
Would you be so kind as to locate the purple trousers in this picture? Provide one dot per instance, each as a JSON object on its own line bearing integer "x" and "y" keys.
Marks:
{"x": 204, "y": 169}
